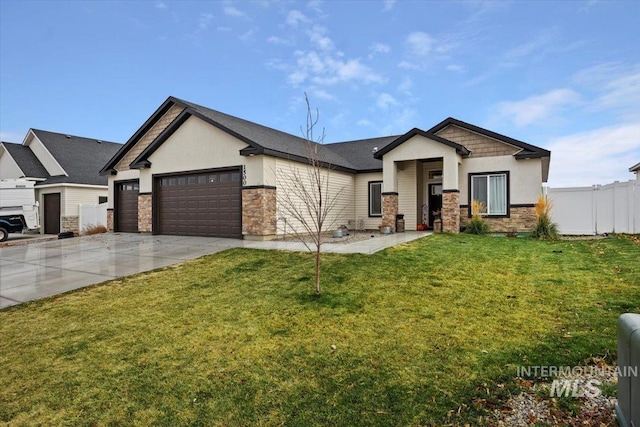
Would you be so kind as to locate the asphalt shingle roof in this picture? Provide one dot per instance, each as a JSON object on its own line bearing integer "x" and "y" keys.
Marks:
{"x": 26, "y": 160}
{"x": 80, "y": 157}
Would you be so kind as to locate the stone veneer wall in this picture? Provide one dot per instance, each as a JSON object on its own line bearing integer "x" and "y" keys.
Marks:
{"x": 144, "y": 213}
{"x": 109, "y": 219}
{"x": 521, "y": 220}
{"x": 259, "y": 211}
{"x": 69, "y": 223}
{"x": 451, "y": 211}
{"x": 389, "y": 210}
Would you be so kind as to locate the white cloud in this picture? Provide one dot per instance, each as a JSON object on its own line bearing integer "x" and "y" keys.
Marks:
{"x": 279, "y": 41}
{"x": 204, "y": 20}
{"x": 533, "y": 46}
{"x": 598, "y": 156}
{"x": 295, "y": 18}
{"x": 420, "y": 43}
{"x": 406, "y": 85}
{"x": 385, "y": 101}
{"x": 223, "y": 29}
{"x": 315, "y": 5}
{"x": 537, "y": 108}
{"x": 234, "y": 12}
{"x": 406, "y": 65}
{"x": 388, "y": 5}
{"x": 161, "y": 4}
{"x": 455, "y": 68}
{"x": 248, "y": 35}
{"x": 323, "y": 65}
{"x": 321, "y": 94}
{"x": 378, "y": 48}
{"x": 617, "y": 87}
{"x": 318, "y": 37}
{"x": 365, "y": 123}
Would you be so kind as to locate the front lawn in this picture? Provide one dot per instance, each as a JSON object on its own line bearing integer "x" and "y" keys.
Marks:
{"x": 430, "y": 332}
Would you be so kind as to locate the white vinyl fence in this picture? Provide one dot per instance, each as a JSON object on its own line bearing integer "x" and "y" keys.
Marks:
{"x": 611, "y": 208}
{"x": 92, "y": 215}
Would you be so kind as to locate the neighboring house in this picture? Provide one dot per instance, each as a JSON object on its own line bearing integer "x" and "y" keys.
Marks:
{"x": 195, "y": 171}
{"x": 635, "y": 169}
{"x": 65, "y": 168}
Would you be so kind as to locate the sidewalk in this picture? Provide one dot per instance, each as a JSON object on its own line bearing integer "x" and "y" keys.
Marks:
{"x": 368, "y": 246}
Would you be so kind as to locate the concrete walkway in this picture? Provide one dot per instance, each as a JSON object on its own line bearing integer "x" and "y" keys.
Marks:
{"x": 42, "y": 269}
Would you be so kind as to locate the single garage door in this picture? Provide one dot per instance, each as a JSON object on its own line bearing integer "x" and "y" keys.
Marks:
{"x": 126, "y": 215}
{"x": 200, "y": 204}
{"x": 52, "y": 213}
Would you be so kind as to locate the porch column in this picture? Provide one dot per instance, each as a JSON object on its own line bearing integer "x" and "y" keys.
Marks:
{"x": 389, "y": 209}
{"x": 451, "y": 211}
{"x": 259, "y": 212}
{"x": 450, "y": 194}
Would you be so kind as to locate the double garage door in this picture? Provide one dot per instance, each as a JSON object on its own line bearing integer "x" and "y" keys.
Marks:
{"x": 198, "y": 204}
{"x": 201, "y": 204}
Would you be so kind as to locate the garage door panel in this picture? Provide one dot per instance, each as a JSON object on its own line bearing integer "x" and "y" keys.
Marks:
{"x": 206, "y": 204}
{"x": 127, "y": 206}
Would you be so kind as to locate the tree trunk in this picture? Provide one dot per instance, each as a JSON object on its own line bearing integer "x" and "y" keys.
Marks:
{"x": 318, "y": 269}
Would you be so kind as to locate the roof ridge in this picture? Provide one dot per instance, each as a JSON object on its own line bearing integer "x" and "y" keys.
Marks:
{"x": 74, "y": 136}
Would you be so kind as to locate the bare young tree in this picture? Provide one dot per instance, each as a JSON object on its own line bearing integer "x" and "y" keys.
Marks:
{"x": 305, "y": 194}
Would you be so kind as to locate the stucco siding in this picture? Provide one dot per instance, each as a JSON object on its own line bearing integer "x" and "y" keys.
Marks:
{"x": 340, "y": 185}
{"x": 479, "y": 145}
{"x": 362, "y": 200}
{"x": 525, "y": 176}
{"x": 420, "y": 147}
{"x": 408, "y": 192}
{"x": 148, "y": 137}
{"x": 198, "y": 145}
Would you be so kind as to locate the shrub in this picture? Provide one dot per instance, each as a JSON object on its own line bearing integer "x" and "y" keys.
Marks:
{"x": 94, "y": 229}
{"x": 477, "y": 224}
{"x": 544, "y": 228}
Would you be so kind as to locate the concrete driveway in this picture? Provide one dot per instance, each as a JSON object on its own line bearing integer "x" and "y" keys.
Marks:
{"x": 43, "y": 269}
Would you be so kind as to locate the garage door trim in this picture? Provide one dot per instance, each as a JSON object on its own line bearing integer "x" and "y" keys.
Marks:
{"x": 155, "y": 178}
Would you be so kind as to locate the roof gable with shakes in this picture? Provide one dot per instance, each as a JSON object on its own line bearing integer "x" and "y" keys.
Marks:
{"x": 525, "y": 150}
{"x": 80, "y": 157}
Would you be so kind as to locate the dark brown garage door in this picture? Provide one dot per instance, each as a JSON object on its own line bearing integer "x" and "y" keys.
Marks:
{"x": 52, "y": 213}
{"x": 126, "y": 209}
{"x": 202, "y": 204}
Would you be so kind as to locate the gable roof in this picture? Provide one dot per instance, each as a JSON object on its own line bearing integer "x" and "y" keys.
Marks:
{"x": 26, "y": 160}
{"x": 80, "y": 157}
{"x": 635, "y": 168}
{"x": 352, "y": 156}
{"x": 415, "y": 131}
{"x": 259, "y": 139}
{"x": 527, "y": 151}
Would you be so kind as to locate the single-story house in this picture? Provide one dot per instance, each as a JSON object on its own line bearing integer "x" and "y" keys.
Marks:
{"x": 192, "y": 170}
{"x": 635, "y": 169}
{"x": 65, "y": 168}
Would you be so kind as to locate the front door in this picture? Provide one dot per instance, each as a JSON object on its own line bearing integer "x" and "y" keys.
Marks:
{"x": 435, "y": 201}
{"x": 52, "y": 213}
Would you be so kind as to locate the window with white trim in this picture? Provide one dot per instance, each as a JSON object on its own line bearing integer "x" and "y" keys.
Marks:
{"x": 491, "y": 190}
{"x": 375, "y": 198}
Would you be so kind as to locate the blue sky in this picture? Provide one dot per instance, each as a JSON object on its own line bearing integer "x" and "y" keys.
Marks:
{"x": 563, "y": 75}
